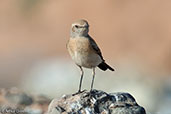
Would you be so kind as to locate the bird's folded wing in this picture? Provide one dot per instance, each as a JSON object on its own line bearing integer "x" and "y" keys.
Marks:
{"x": 95, "y": 47}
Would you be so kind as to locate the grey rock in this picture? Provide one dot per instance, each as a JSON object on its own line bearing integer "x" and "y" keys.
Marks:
{"x": 19, "y": 98}
{"x": 95, "y": 102}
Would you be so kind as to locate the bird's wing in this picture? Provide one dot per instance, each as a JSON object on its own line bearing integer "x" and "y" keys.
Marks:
{"x": 95, "y": 47}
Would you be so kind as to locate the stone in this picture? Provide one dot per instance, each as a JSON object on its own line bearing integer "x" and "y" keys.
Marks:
{"x": 95, "y": 102}
{"x": 15, "y": 101}
{"x": 18, "y": 97}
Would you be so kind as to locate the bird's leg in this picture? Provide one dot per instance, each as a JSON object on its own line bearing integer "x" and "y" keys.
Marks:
{"x": 82, "y": 73}
{"x": 92, "y": 80}
{"x": 79, "y": 90}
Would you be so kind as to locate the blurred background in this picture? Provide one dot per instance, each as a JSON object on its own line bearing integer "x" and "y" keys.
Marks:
{"x": 134, "y": 36}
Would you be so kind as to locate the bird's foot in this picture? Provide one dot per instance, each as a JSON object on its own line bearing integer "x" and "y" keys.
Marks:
{"x": 79, "y": 92}
{"x": 90, "y": 95}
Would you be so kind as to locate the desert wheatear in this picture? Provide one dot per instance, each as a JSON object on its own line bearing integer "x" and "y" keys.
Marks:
{"x": 84, "y": 50}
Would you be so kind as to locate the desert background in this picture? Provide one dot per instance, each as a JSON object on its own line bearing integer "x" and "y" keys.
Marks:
{"x": 134, "y": 37}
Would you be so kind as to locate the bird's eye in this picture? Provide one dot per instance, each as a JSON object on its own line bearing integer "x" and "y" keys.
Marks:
{"x": 76, "y": 26}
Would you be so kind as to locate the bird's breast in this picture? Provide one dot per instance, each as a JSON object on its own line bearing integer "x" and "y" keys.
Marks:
{"x": 79, "y": 45}
{"x": 82, "y": 53}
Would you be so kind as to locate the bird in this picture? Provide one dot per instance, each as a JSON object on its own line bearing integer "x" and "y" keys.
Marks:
{"x": 84, "y": 50}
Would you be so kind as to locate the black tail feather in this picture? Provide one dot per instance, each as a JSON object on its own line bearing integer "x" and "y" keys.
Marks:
{"x": 104, "y": 66}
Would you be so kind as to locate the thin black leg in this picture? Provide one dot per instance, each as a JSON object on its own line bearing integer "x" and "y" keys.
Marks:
{"x": 93, "y": 79}
{"x": 82, "y": 73}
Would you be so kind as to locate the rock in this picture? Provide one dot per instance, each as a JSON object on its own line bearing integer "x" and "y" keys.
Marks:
{"x": 18, "y": 97}
{"x": 15, "y": 101}
{"x": 95, "y": 102}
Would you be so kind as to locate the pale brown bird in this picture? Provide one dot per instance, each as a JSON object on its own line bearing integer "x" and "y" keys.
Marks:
{"x": 84, "y": 50}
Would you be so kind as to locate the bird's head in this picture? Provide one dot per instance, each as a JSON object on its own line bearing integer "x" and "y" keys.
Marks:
{"x": 79, "y": 28}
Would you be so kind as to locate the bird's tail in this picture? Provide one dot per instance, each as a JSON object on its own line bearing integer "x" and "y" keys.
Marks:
{"x": 104, "y": 66}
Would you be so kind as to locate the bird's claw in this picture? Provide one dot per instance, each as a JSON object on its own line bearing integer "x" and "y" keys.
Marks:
{"x": 79, "y": 91}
